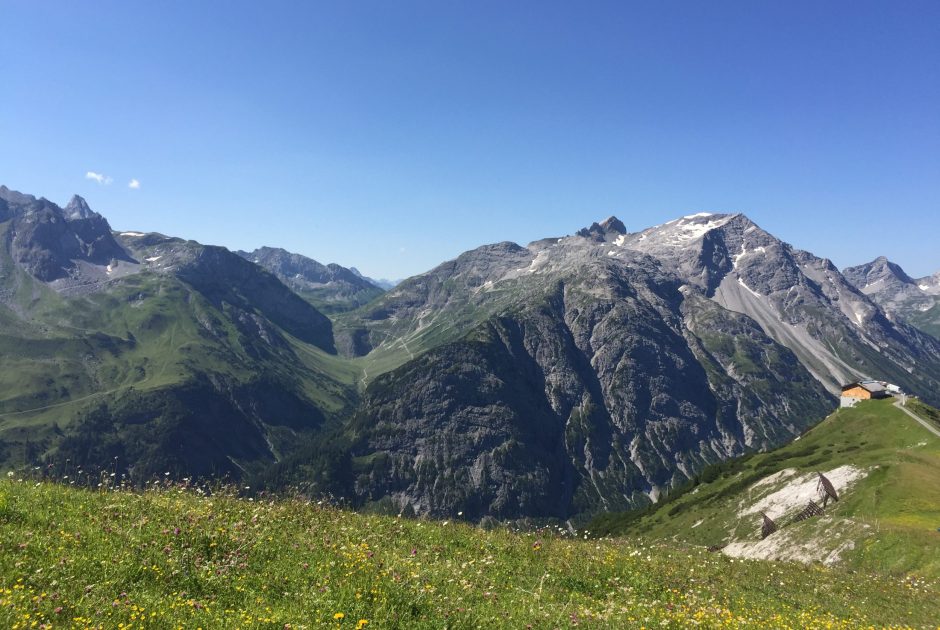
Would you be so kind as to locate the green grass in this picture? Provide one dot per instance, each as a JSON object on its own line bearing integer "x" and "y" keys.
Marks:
{"x": 169, "y": 558}
{"x": 152, "y": 336}
{"x": 926, "y": 412}
{"x": 398, "y": 340}
{"x": 892, "y": 515}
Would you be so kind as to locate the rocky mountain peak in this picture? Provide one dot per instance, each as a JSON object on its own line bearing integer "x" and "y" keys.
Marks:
{"x": 598, "y": 231}
{"x": 613, "y": 224}
{"x": 330, "y": 287}
{"x": 916, "y": 302}
{"x": 78, "y": 208}
{"x": 880, "y": 271}
{"x": 883, "y": 266}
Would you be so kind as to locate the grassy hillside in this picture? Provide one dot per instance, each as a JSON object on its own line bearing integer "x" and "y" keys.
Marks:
{"x": 170, "y": 557}
{"x": 886, "y": 521}
{"x": 153, "y": 354}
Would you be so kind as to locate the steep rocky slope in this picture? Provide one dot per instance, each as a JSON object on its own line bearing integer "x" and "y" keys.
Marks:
{"x": 565, "y": 380}
{"x": 593, "y": 371}
{"x": 578, "y": 402}
{"x": 799, "y": 299}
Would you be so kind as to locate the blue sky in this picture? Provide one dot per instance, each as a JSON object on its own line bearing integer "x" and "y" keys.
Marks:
{"x": 394, "y": 135}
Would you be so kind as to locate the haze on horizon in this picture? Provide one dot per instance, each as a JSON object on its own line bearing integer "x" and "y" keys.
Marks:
{"x": 391, "y": 137}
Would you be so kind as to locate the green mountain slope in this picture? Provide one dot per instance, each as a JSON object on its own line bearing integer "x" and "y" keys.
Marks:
{"x": 172, "y": 357}
{"x": 166, "y": 378}
{"x": 884, "y": 465}
{"x": 170, "y": 558}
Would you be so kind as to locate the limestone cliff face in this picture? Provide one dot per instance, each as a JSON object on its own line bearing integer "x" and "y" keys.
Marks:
{"x": 598, "y": 392}
{"x": 595, "y": 371}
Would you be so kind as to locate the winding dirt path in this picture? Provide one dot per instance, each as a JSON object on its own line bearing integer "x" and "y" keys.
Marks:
{"x": 923, "y": 422}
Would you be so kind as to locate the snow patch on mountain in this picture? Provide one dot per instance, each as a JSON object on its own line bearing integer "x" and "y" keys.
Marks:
{"x": 694, "y": 229}
{"x": 744, "y": 252}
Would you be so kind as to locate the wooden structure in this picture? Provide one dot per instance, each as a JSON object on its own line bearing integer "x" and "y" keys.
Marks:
{"x": 812, "y": 509}
{"x": 825, "y": 487}
{"x": 862, "y": 390}
{"x": 768, "y": 528}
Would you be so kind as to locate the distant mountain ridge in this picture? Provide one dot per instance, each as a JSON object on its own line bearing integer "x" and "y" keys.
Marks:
{"x": 916, "y": 301}
{"x": 331, "y": 287}
{"x": 383, "y": 283}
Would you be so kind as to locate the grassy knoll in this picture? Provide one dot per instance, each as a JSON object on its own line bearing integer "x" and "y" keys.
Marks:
{"x": 170, "y": 557}
{"x": 886, "y": 522}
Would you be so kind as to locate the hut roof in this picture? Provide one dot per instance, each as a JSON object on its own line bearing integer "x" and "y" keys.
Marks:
{"x": 874, "y": 387}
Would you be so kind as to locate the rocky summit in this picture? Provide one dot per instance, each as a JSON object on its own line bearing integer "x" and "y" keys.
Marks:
{"x": 902, "y": 297}
{"x": 59, "y": 245}
{"x": 571, "y": 376}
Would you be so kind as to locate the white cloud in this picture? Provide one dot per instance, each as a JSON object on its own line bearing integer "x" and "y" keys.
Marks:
{"x": 98, "y": 177}
{"x": 133, "y": 184}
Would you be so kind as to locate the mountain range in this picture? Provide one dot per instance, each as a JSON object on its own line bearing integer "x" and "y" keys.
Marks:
{"x": 331, "y": 288}
{"x": 576, "y": 374}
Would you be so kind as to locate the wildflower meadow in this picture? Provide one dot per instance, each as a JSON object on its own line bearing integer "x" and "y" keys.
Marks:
{"x": 174, "y": 555}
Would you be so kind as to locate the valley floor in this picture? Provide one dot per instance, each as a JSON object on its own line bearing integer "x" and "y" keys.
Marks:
{"x": 173, "y": 558}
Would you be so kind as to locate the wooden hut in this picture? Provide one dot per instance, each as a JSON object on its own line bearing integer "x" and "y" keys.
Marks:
{"x": 862, "y": 390}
